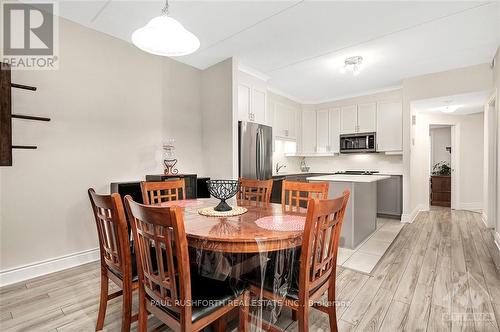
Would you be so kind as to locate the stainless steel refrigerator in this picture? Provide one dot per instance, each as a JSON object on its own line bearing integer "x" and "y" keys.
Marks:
{"x": 255, "y": 150}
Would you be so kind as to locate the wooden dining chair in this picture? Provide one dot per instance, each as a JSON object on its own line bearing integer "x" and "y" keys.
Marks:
{"x": 183, "y": 300}
{"x": 255, "y": 190}
{"x": 157, "y": 192}
{"x": 318, "y": 263}
{"x": 295, "y": 195}
{"x": 117, "y": 262}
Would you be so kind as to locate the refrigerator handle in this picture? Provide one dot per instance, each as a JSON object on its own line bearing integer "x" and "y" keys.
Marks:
{"x": 263, "y": 154}
{"x": 258, "y": 152}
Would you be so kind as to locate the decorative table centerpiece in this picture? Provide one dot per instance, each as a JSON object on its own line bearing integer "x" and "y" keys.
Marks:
{"x": 223, "y": 189}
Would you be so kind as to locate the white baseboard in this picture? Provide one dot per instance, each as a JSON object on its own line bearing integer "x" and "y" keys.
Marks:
{"x": 484, "y": 218}
{"x": 25, "y": 272}
{"x": 410, "y": 217}
{"x": 496, "y": 235}
{"x": 476, "y": 207}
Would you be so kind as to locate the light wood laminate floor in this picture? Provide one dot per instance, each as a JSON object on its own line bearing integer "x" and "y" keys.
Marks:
{"x": 442, "y": 273}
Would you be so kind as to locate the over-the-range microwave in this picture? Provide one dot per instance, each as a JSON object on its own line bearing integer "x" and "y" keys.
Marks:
{"x": 358, "y": 143}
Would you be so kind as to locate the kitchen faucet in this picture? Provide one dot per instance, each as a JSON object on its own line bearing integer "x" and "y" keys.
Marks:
{"x": 278, "y": 167}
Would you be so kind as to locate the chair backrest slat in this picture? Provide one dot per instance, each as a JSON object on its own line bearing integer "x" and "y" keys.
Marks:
{"x": 163, "y": 259}
{"x": 112, "y": 231}
{"x": 258, "y": 191}
{"x": 295, "y": 195}
{"x": 157, "y": 192}
{"x": 321, "y": 239}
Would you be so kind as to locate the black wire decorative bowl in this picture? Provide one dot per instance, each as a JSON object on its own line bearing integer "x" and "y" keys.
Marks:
{"x": 223, "y": 189}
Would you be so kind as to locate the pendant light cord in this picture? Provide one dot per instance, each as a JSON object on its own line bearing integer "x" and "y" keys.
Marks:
{"x": 165, "y": 10}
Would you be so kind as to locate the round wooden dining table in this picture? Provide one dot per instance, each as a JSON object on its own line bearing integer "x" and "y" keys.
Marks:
{"x": 237, "y": 234}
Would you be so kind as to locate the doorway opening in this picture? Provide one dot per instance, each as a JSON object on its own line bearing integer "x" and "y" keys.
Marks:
{"x": 441, "y": 150}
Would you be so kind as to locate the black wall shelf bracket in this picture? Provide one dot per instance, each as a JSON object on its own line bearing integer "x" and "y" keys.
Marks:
{"x": 29, "y": 117}
{"x": 24, "y": 87}
{"x": 24, "y": 147}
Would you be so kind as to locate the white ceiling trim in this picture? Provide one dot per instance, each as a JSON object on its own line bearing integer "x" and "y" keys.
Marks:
{"x": 253, "y": 72}
{"x": 286, "y": 95}
{"x": 316, "y": 102}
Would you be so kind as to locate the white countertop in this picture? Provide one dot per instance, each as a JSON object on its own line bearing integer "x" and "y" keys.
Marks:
{"x": 349, "y": 178}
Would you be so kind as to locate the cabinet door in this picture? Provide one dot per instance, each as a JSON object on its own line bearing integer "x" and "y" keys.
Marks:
{"x": 367, "y": 118}
{"x": 335, "y": 130}
{"x": 322, "y": 130}
{"x": 308, "y": 131}
{"x": 348, "y": 119}
{"x": 292, "y": 123}
{"x": 244, "y": 102}
{"x": 280, "y": 123}
{"x": 259, "y": 106}
{"x": 389, "y": 126}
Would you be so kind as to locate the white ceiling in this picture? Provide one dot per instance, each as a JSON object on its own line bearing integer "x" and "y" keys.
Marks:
{"x": 301, "y": 45}
{"x": 467, "y": 103}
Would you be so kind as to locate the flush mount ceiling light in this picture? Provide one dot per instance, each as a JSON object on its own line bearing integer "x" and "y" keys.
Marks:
{"x": 449, "y": 108}
{"x": 165, "y": 36}
{"x": 353, "y": 64}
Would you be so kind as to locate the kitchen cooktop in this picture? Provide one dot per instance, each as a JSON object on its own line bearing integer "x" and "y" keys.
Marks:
{"x": 359, "y": 172}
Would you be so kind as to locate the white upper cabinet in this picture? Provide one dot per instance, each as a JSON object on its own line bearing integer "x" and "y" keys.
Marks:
{"x": 367, "y": 118}
{"x": 284, "y": 122}
{"x": 243, "y": 102}
{"x": 334, "y": 130}
{"x": 349, "y": 119}
{"x": 360, "y": 118}
{"x": 252, "y": 98}
{"x": 328, "y": 130}
{"x": 389, "y": 126}
{"x": 308, "y": 131}
{"x": 323, "y": 131}
{"x": 259, "y": 106}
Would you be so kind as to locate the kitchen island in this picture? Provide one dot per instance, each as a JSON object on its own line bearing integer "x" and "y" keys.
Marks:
{"x": 360, "y": 219}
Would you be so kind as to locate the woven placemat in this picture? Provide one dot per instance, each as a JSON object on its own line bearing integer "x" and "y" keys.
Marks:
{"x": 282, "y": 223}
{"x": 210, "y": 212}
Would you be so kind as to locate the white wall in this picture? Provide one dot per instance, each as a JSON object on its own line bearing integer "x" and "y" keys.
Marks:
{"x": 182, "y": 120}
{"x": 440, "y": 140}
{"x": 448, "y": 83}
{"x": 111, "y": 106}
{"x": 219, "y": 120}
{"x": 469, "y": 154}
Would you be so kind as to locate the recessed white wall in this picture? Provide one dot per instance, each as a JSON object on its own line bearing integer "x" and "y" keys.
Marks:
{"x": 440, "y": 140}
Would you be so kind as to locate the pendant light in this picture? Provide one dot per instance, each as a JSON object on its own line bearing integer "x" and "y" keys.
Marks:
{"x": 165, "y": 36}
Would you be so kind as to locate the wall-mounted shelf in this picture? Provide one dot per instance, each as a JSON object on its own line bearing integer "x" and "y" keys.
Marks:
{"x": 6, "y": 115}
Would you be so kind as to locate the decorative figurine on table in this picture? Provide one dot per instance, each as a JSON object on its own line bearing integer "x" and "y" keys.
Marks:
{"x": 222, "y": 190}
{"x": 169, "y": 160}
